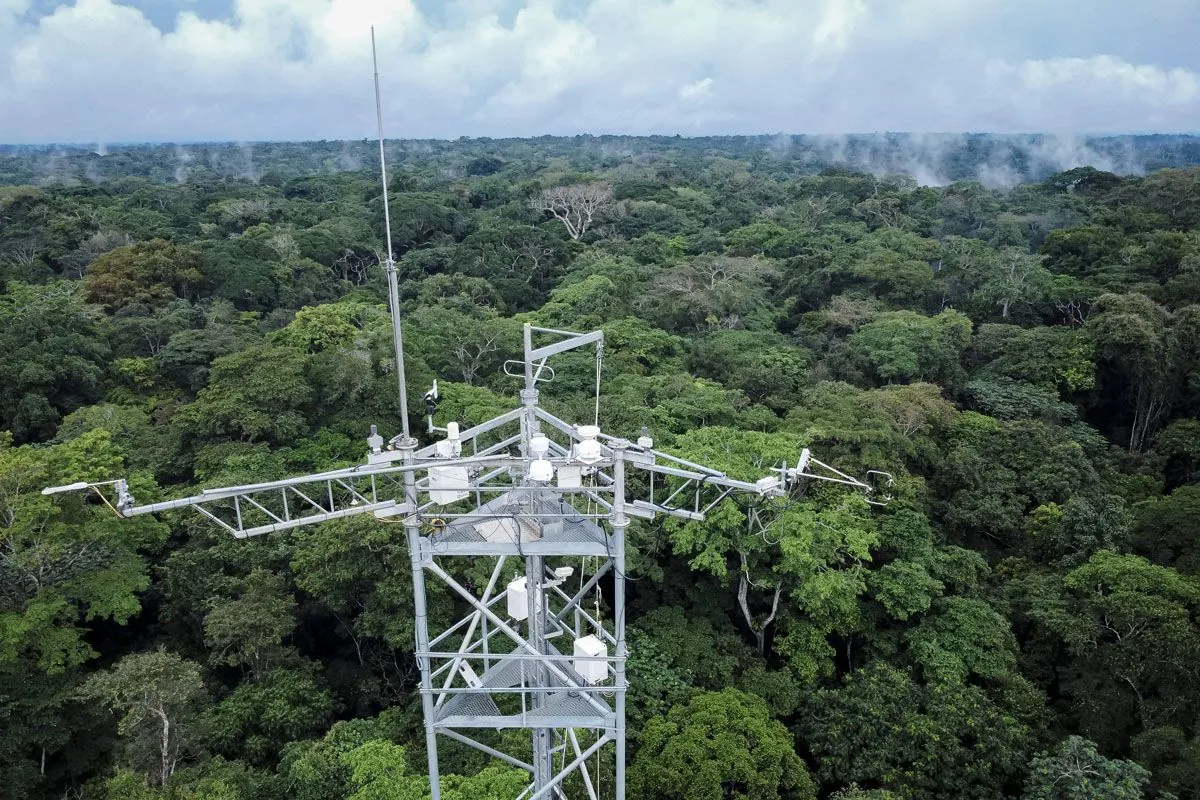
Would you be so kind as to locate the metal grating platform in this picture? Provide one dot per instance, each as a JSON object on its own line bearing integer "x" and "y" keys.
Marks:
{"x": 509, "y": 673}
{"x": 521, "y": 522}
{"x": 513, "y": 673}
{"x": 473, "y": 705}
{"x": 561, "y": 709}
{"x": 564, "y": 704}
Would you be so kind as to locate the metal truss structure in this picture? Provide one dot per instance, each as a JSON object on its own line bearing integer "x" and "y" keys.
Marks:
{"x": 548, "y": 502}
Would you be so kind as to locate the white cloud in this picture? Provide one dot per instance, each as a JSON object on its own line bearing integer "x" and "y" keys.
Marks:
{"x": 697, "y": 91}
{"x": 96, "y": 70}
{"x": 837, "y": 23}
{"x": 1103, "y": 92}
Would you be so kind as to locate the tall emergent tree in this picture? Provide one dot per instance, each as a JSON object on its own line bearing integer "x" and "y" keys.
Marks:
{"x": 158, "y": 695}
{"x": 578, "y": 206}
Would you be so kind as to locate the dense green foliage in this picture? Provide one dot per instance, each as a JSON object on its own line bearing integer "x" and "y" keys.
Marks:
{"x": 1021, "y": 621}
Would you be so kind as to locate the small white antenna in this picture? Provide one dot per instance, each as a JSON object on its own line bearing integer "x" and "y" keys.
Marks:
{"x": 390, "y": 268}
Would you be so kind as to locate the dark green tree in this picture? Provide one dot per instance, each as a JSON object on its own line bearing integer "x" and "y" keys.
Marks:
{"x": 1076, "y": 771}
{"x": 720, "y": 745}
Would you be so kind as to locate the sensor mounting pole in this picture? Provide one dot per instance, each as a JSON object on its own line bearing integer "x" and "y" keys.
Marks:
{"x": 390, "y": 267}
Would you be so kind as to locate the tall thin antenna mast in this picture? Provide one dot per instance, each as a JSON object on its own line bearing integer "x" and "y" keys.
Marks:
{"x": 393, "y": 286}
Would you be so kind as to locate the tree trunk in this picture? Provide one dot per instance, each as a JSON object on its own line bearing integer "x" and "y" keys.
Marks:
{"x": 165, "y": 747}
{"x": 1149, "y": 405}
{"x": 759, "y": 631}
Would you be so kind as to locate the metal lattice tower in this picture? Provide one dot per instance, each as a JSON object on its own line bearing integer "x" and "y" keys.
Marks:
{"x": 542, "y": 499}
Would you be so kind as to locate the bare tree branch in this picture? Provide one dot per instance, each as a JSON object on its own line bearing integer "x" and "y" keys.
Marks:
{"x": 577, "y": 206}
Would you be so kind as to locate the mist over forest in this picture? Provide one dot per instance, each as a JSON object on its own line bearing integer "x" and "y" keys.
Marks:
{"x": 996, "y": 161}
{"x": 1007, "y": 325}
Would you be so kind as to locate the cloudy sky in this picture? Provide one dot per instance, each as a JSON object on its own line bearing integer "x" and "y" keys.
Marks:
{"x": 189, "y": 70}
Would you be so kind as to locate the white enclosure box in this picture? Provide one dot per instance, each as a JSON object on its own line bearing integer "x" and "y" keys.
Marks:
{"x": 589, "y": 652}
{"x": 448, "y": 484}
{"x": 767, "y": 485}
{"x": 570, "y": 476}
{"x": 517, "y": 597}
